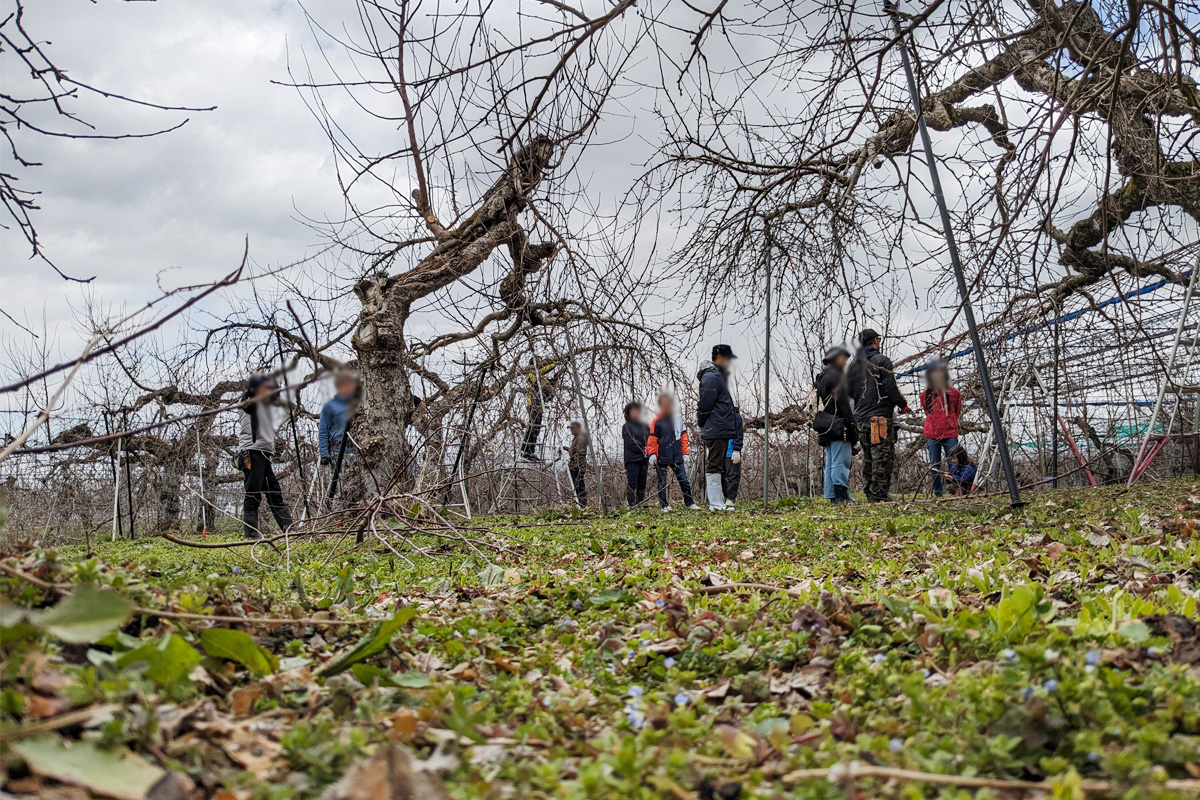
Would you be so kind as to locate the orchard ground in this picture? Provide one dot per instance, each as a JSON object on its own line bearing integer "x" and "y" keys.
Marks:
{"x": 949, "y": 650}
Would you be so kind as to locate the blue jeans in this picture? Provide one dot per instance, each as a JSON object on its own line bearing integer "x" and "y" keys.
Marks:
{"x": 680, "y": 475}
{"x": 939, "y": 460}
{"x": 837, "y": 467}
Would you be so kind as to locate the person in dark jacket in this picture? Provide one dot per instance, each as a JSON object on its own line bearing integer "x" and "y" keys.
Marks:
{"x": 731, "y": 478}
{"x": 667, "y": 446}
{"x": 942, "y": 405}
{"x": 875, "y": 397}
{"x": 577, "y": 462}
{"x": 256, "y": 447}
{"x": 716, "y": 417}
{"x": 634, "y": 434}
{"x": 961, "y": 471}
{"x": 834, "y": 425}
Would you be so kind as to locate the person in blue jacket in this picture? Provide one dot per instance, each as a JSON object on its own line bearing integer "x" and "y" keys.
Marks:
{"x": 961, "y": 472}
{"x": 717, "y": 417}
{"x": 731, "y": 479}
{"x": 334, "y": 416}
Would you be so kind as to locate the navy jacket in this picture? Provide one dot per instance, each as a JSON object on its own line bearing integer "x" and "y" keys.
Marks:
{"x": 633, "y": 438}
{"x": 739, "y": 439}
{"x": 714, "y": 412}
{"x": 665, "y": 443}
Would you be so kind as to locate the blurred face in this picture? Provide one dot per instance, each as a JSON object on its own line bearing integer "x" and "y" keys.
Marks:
{"x": 722, "y": 361}
{"x": 575, "y": 430}
{"x": 345, "y": 387}
{"x": 666, "y": 404}
{"x": 266, "y": 389}
{"x": 839, "y": 361}
{"x": 635, "y": 414}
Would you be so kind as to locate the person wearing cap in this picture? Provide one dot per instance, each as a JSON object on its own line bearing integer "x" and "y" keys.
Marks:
{"x": 834, "y": 425}
{"x": 875, "y": 396}
{"x": 256, "y": 447}
{"x": 577, "y": 462}
{"x": 717, "y": 419}
{"x": 942, "y": 405}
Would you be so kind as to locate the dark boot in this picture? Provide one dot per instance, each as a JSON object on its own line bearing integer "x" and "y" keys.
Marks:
{"x": 250, "y": 518}
{"x": 842, "y": 493}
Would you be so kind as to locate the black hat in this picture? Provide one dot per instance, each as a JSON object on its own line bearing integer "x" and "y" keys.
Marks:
{"x": 255, "y": 382}
{"x": 868, "y": 336}
{"x": 833, "y": 353}
{"x": 723, "y": 350}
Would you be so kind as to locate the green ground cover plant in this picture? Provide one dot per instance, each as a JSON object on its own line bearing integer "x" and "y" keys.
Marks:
{"x": 951, "y": 650}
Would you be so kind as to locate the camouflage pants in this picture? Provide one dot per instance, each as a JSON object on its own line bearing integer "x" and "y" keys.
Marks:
{"x": 878, "y": 461}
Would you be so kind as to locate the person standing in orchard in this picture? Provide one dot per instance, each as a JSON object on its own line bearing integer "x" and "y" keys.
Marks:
{"x": 717, "y": 418}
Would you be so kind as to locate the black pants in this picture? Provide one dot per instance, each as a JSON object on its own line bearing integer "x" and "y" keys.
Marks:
{"x": 731, "y": 479}
{"x": 578, "y": 484}
{"x": 261, "y": 484}
{"x": 532, "y": 432}
{"x": 635, "y": 482}
{"x": 714, "y": 456}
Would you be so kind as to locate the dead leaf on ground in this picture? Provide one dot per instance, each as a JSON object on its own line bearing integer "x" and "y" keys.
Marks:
{"x": 393, "y": 773}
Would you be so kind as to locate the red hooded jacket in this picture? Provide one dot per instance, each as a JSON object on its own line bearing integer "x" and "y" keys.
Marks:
{"x": 941, "y": 413}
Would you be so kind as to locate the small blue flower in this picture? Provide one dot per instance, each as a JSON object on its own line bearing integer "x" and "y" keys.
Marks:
{"x": 895, "y": 745}
{"x": 237, "y": 570}
{"x": 635, "y": 691}
{"x": 1027, "y": 692}
{"x": 1093, "y": 756}
{"x": 880, "y": 658}
{"x": 1153, "y": 651}
{"x": 545, "y": 702}
{"x": 660, "y": 602}
{"x": 642, "y": 643}
{"x": 1093, "y": 658}
{"x": 682, "y": 699}
{"x": 1008, "y": 654}
{"x": 1089, "y": 669}
{"x": 472, "y": 632}
{"x": 668, "y": 662}
{"x": 577, "y": 604}
{"x": 1050, "y": 685}
{"x": 611, "y": 670}
{"x": 635, "y": 716}
{"x": 570, "y": 623}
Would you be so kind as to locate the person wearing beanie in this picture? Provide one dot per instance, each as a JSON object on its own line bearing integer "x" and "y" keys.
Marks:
{"x": 875, "y": 397}
{"x": 834, "y": 425}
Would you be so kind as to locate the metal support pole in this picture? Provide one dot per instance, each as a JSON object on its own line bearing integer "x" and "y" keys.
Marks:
{"x": 1053, "y": 427}
{"x": 200, "y": 467}
{"x": 117, "y": 491}
{"x": 292, "y": 419}
{"x": 969, "y": 314}
{"x": 129, "y": 486}
{"x": 767, "y": 387}
{"x": 583, "y": 416}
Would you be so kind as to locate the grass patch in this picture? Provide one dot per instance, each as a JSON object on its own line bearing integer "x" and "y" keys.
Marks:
{"x": 644, "y": 655}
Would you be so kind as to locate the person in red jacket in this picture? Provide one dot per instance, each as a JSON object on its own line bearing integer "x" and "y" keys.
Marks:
{"x": 667, "y": 447}
{"x": 942, "y": 405}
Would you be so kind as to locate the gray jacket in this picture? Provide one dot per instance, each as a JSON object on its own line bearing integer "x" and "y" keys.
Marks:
{"x": 256, "y": 429}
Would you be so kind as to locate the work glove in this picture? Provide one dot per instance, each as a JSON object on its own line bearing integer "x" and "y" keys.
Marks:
{"x": 326, "y": 460}
{"x": 736, "y": 457}
{"x": 654, "y": 460}
{"x": 687, "y": 459}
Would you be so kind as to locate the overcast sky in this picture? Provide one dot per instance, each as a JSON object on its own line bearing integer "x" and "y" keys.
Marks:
{"x": 124, "y": 211}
